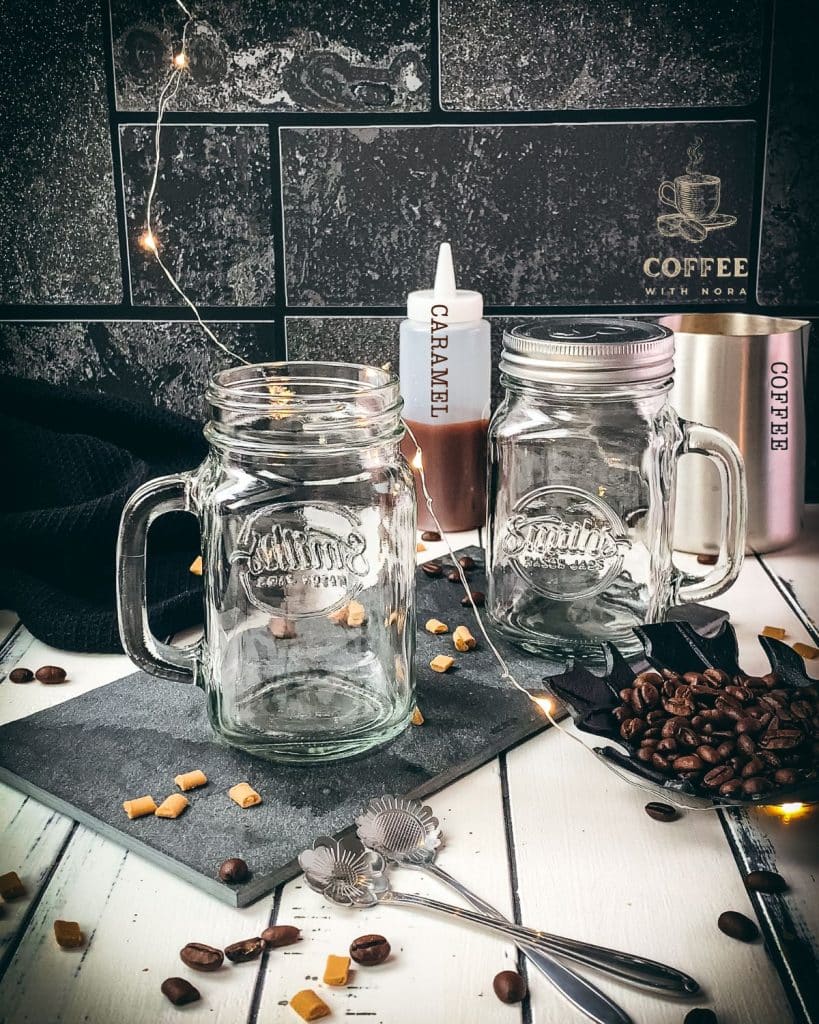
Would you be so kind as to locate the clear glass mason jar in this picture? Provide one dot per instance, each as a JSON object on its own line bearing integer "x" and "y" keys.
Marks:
{"x": 583, "y": 458}
{"x": 307, "y": 515}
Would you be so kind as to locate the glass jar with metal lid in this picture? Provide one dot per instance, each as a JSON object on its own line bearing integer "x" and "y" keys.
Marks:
{"x": 582, "y": 476}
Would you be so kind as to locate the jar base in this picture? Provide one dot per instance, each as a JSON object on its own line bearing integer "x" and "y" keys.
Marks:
{"x": 552, "y": 647}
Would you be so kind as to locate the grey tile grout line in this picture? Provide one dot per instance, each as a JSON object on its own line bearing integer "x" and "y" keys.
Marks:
{"x": 790, "y": 598}
{"x": 117, "y": 183}
{"x": 261, "y": 974}
{"x": 10, "y": 952}
{"x": 509, "y": 832}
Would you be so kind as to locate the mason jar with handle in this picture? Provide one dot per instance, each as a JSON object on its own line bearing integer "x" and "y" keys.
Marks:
{"x": 307, "y": 516}
{"x": 583, "y": 455}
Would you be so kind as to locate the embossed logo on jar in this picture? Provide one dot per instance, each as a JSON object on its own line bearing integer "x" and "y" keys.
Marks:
{"x": 565, "y": 543}
{"x": 301, "y": 558}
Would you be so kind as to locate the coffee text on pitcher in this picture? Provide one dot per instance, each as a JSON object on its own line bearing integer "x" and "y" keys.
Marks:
{"x": 438, "y": 362}
{"x": 779, "y": 407}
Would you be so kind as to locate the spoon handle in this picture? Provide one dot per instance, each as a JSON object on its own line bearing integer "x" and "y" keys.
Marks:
{"x": 626, "y": 966}
{"x": 581, "y": 993}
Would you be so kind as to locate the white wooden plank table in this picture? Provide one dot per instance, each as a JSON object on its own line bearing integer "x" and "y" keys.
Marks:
{"x": 545, "y": 832}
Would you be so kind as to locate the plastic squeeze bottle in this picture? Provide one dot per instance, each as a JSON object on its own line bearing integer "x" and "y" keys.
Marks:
{"x": 445, "y": 367}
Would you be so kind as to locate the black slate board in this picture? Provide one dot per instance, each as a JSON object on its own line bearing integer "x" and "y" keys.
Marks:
{"x": 131, "y": 737}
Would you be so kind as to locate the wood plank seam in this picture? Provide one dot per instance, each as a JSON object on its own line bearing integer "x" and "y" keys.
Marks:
{"x": 31, "y": 909}
{"x": 8, "y": 642}
{"x": 526, "y": 1005}
{"x": 790, "y": 599}
{"x": 261, "y": 973}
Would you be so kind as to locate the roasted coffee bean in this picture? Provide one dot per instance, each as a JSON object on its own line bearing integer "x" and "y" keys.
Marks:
{"x": 21, "y": 675}
{"x": 454, "y": 576}
{"x": 234, "y": 870}
{"x": 622, "y": 713}
{"x": 694, "y": 678}
{"x": 661, "y": 812}
{"x": 244, "y": 951}
{"x": 725, "y": 749}
{"x": 687, "y": 737}
{"x": 784, "y": 776}
{"x": 509, "y": 987}
{"x": 708, "y": 755}
{"x": 718, "y": 776}
{"x": 687, "y": 763}
{"x": 745, "y": 744}
{"x": 755, "y": 683}
{"x": 369, "y": 950}
{"x": 701, "y": 1015}
{"x": 781, "y": 739}
{"x": 801, "y": 709}
{"x": 280, "y": 935}
{"x": 667, "y": 746}
{"x": 765, "y": 881}
{"x": 201, "y": 957}
{"x": 432, "y": 568}
{"x": 431, "y": 535}
{"x": 770, "y": 680}
{"x": 740, "y": 693}
{"x": 645, "y": 696}
{"x": 653, "y": 731}
{"x": 755, "y": 785}
{"x": 672, "y": 725}
{"x": 669, "y": 688}
{"x": 658, "y": 715}
{"x": 697, "y": 722}
{"x": 625, "y": 694}
{"x": 728, "y": 706}
{"x": 769, "y": 758}
{"x": 179, "y": 991}
{"x": 716, "y": 675}
{"x": 648, "y": 677}
{"x": 753, "y": 767}
{"x": 681, "y": 708}
{"x": 644, "y": 755}
{"x": 738, "y": 926}
{"x": 466, "y": 562}
{"x": 660, "y": 763}
{"x": 478, "y": 597}
{"x": 50, "y": 674}
{"x": 631, "y": 730}
{"x": 683, "y": 692}
{"x": 733, "y": 787}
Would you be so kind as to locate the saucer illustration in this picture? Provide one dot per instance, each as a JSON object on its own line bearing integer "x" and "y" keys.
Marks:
{"x": 695, "y": 198}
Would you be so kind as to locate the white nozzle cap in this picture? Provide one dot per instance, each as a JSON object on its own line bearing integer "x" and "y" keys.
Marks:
{"x": 452, "y": 305}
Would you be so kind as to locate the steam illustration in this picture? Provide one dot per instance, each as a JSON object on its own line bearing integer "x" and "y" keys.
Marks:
{"x": 694, "y": 153}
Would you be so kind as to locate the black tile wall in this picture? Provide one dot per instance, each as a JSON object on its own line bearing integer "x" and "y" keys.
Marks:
{"x": 212, "y": 213}
{"x": 312, "y": 55}
{"x": 560, "y": 54}
{"x": 537, "y": 214}
{"x": 789, "y": 258}
{"x": 58, "y": 230}
{"x": 166, "y": 364}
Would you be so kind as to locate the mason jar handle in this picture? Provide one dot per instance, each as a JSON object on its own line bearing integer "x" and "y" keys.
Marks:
{"x": 152, "y": 500}
{"x": 701, "y": 440}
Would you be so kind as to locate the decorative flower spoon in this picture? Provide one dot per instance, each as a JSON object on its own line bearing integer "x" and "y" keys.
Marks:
{"x": 406, "y": 833}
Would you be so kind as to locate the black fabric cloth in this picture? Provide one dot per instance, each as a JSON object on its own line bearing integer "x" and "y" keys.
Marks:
{"x": 69, "y": 460}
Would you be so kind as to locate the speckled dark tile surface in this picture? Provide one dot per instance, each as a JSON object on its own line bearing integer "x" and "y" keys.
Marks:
{"x": 539, "y": 215}
{"x": 168, "y": 364}
{"x": 320, "y": 55}
{"x": 58, "y": 233}
{"x": 212, "y": 214}
{"x": 789, "y": 252}
{"x": 72, "y": 757}
{"x": 560, "y": 54}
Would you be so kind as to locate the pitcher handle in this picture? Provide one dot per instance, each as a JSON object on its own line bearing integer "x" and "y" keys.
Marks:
{"x": 668, "y": 194}
{"x": 701, "y": 440}
{"x": 152, "y": 500}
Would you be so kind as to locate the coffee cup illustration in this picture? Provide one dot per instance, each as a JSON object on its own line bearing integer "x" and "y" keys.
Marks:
{"x": 695, "y": 197}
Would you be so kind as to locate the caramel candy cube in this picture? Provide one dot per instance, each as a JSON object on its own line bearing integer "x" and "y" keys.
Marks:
{"x": 441, "y": 663}
{"x": 436, "y": 626}
{"x": 337, "y": 970}
{"x": 417, "y": 717}
{"x": 11, "y": 888}
{"x": 196, "y": 566}
{"x": 356, "y": 614}
{"x": 309, "y": 1006}
{"x": 191, "y": 780}
{"x": 806, "y": 651}
{"x": 244, "y": 795}
{"x": 172, "y": 806}
{"x": 281, "y": 629}
{"x": 68, "y": 934}
{"x": 420, "y": 546}
{"x": 339, "y": 616}
{"x": 140, "y": 807}
{"x": 463, "y": 639}
{"x": 774, "y": 632}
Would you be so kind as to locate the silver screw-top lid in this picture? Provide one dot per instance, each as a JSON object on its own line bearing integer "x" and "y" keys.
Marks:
{"x": 588, "y": 350}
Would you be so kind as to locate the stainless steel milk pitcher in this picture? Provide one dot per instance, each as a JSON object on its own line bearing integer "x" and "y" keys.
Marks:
{"x": 744, "y": 375}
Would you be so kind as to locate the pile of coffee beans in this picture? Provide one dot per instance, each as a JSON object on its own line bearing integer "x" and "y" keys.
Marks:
{"x": 737, "y": 737}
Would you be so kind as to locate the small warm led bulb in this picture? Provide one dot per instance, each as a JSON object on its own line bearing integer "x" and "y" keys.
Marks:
{"x": 181, "y": 60}
{"x": 417, "y": 462}
{"x": 545, "y": 704}
{"x": 147, "y": 241}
